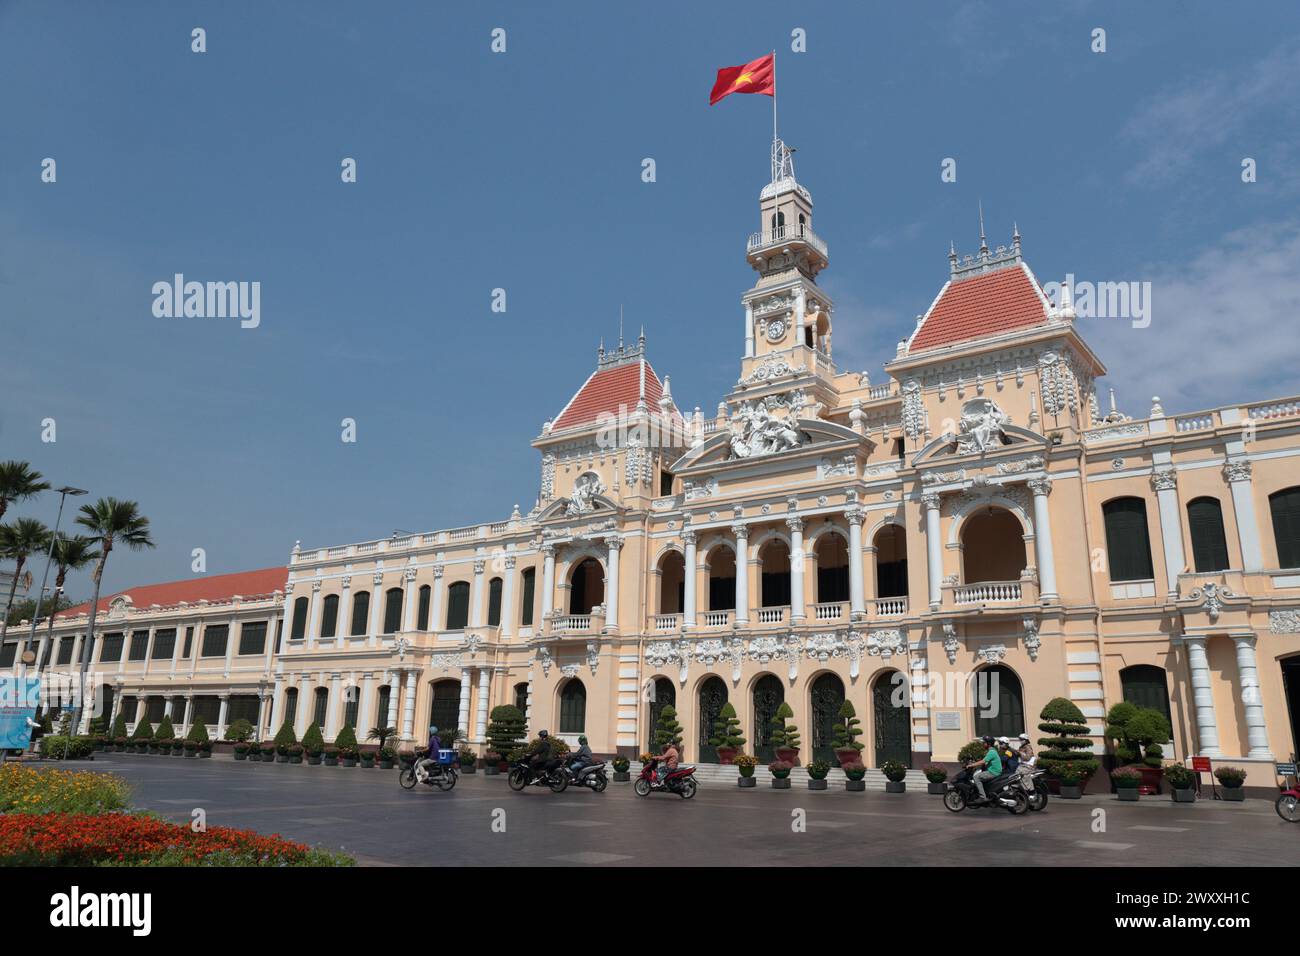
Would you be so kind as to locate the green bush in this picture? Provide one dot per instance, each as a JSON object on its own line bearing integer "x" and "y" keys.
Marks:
{"x": 285, "y": 737}
{"x": 312, "y": 740}
{"x": 1230, "y": 777}
{"x": 198, "y": 733}
{"x": 855, "y": 771}
{"x": 847, "y": 729}
{"x": 165, "y": 730}
{"x": 1126, "y": 778}
{"x": 784, "y": 734}
{"x": 119, "y": 726}
{"x": 1069, "y": 750}
{"x": 726, "y": 729}
{"x": 934, "y": 773}
{"x": 58, "y": 747}
{"x": 505, "y": 729}
{"x": 975, "y": 750}
{"x": 894, "y": 771}
{"x": 239, "y": 730}
{"x": 668, "y": 729}
{"x": 1135, "y": 730}
{"x": 143, "y": 731}
{"x": 1179, "y": 777}
{"x": 346, "y": 738}
{"x": 818, "y": 769}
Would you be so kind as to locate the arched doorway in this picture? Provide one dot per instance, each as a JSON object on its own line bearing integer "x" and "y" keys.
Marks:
{"x": 891, "y": 561}
{"x": 573, "y": 707}
{"x": 712, "y": 697}
{"x": 827, "y": 697}
{"x": 998, "y": 687}
{"x": 768, "y": 695}
{"x": 832, "y": 553}
{"x": 774, "y": 558}
{"x": 993, "y": 546}
{"x": 722, "y": 579}
{"x": 672, "y": 583}
{"x": 586, "y": 586}
{"x": 1146, "y": 686}
{"x": 662, "y": 694}
{"x": 891, "y": 725}
{"x": 444, "y": 708}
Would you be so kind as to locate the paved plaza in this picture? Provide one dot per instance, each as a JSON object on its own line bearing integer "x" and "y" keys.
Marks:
{"x": 366, "y": 814}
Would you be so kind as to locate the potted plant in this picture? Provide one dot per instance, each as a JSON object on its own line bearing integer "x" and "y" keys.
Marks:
{"x": 1127, "y": 780}
{"x": 164, "y": 735}
{"x": 817, "y": 771}
{"x": 1068, "y": 748}
{"x": 239, "y": 731}
{"x": 295, "y": 754}
{"x": 285, "y": 738}
{"x": 267, "y": 751}
{"x": 191, "y": 748}
{"x": 1069, "y": 783}
{"x": 1182, "y": 783}
{"x": 468, "y": 760}
{"x": 745, "y": 764}
{"x": 668, "y": 729}
{"x": 367, "y": 758}
{"x": 936, "y": 777}
{"x": 346, "y": 744}
{"x": 780, "y": 771}
{"x": 313, "y": 744}
{"x": 621, "y": 766}
{"x": 491, "y": 763}
{"x": 847, "y": 730}
{"x": 407, "y": 757}
{"x": 854, "y": 774}
{"x": 205, "y": 748}
{"x": 241, "y": 751}
{"x": 142, "y": 739}
{"x": 785, "y": 736}
{"x": 505, "y": 731}
{"x": 119, "y": 744}
{"x": 348, "y": 756}
{"x": 895, "y": 776}
{"x": 330, "y": 756}
{"x": 1137, "y": 733}
{"x": 386, "y": 757}
{"x": 1231, "y": 779}
{"x": 726, "y": 737}
{"x": 119, "y": 732}
{"x": 198, "y": 735}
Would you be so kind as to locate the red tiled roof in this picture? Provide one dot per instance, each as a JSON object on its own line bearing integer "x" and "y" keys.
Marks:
{"x": 608, "y": 389}
{"x": 983, "y": 305}
{"x": 216, "y": 587}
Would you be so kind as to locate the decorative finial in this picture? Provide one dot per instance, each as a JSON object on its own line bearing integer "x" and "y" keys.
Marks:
{"x": 1015, "y": 237}
{"x": 620, "y": 327}
{"x": 984, "y": 243}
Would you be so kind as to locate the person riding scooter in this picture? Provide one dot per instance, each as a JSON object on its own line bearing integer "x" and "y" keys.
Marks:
{"x": 990, "y": 768}
{"x": 540, "y": 759}
{"x": 435, "y": 744}
{"x": 582, "y": 757}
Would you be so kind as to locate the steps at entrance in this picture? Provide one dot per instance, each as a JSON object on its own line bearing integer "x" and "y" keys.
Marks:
{"x": 713, "y": 773}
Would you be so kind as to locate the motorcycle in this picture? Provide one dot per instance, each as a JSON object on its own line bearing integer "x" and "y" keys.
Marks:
{"x": 680, "y": 781}
{"x": 524, "y": 774}
{"x": 443, "y": 774}
{"x": 592, "y": 775}
{"x": 1004, "y": 792}
{"x": 1035, "y": 788}
{"x": 1288, "y": 805}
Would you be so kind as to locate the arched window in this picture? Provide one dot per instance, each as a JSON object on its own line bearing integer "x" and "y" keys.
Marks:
{"x": 999, "y": 702}
{"x": 832, "y": 553}
{"x": 1128, "y": 545}
{"x": 321, "y": 707}
{"x": 1209, "y": 546}
{"x": 891, "y": 561}
{"x": 351, "y": 705}
{"x": 586, "y": 586}
{"x": 662, "y": 694}
{"x": 768, "y": 695}
{"x": 891, "y": 719}
{"x": 672, "y": 583}
{"x": 529, "y": 589}
{"x": 775, "y": 561}
{"x": 422, "y": 608}
{"x": 360, "y": 613}
{"x": 1146, "y": 686}
{"x": 458, "y": 606}
{"x": 1285, "y": 507}
{"x": 827, "y": 696}
{"x": 722, "y": 579}
{"x": 392, "y": 610}
{"x": 444, "y": 708}
{"x": 993, "y": 546}
{"x": 521, "y": 698}
{"x": 299, "y": 619}
{"x": 290, "y": 707}
{"x": 329, "y": 620}
{"x": 381, "y": 711}
{"x": 712, "y": 697}
{"x": 494, "y": 603}
{"x": 573, "y": 707}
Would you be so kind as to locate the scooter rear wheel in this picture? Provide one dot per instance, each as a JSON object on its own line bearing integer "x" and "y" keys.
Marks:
{"x": 954, "y": 801}
{"x": 642, "y": 788}
{"x": 1038, "y": 799}
{"x": 1022, "y": 803}
{"x": 600, "y": 782}
{"x": 1288, "y": 808}
{"x": 448, "y": 779}
{"x": 689, "y": 788}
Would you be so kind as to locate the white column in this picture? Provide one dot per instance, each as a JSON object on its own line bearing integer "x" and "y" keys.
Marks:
{"x": 167, "y": 706}
{"x": 479, "y": 595}
{"x": 797, "y": 609}
{"x": 288, "y": 613}
{"x": 548, "y": 580}
{"x": 408, "y": 600}
{"x": 800, "y": 311}
{"x": 365, "y": 710}
{"x": 221, "y": 716}
{"x": 1207, "y": 728}
{"x": 857, "y": 600}
{"x": 393, "y": 717}
{"x": 176, "y": 647}
{"x": 148, "y": 648}
{"x": 933, "y": 549}
{"x": 508, "y": 598}
{"x": 1045, "y": 558}
{"x": 615, "y": 544}
{"x": 197, "y": 646}
{"x": 1251, "y": 698}
{"x": 688, "y": 611}
{"x": 331, "y": 728}
{"x": 260, "y": 732}
{"x": 277, "y": 704}
{"x": 343, "y": 623}
{"x": 1237, "y": 474}
{"x": 408, "y": 707}
{"x": 480, "y": 722}
{"x": 1165, "y": 483}
{"x": 188, "y": 716}
{"x": 269, "y": 650}
{"x": 230, "y": 644}
{"x": 314, "y": 614}
{"x": 462, "y": 718}
{"x": 300, "y": 712}
{"x": 749, "y": 330}
{"x": 741, "y": 531}
{"x": 435, "y": 604}
{"x": 376, "y": 608}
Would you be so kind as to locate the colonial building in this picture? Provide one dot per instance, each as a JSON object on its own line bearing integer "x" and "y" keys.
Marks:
{"x": 948, "y": 548}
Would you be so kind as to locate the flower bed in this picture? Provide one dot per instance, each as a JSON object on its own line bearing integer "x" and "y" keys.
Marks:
{"x": 27, "y": 790}
{"x": 123, "y": 839}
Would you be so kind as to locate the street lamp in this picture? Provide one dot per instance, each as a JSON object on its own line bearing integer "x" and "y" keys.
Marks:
{"x": 63, "y": 496}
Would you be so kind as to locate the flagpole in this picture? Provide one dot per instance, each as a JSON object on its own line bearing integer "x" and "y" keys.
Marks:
{"x": 774, "y": 136}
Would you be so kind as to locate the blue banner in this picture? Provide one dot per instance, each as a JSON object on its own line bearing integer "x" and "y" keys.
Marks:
{"x": 19, "y": 697}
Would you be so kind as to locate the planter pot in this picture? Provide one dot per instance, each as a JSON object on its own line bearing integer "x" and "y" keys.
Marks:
{"x": 367, "y": 764}
{"x": 1129, "y": 794}
{"x": 1151, "y": 779}
{"x": 1234, "y": 794}
{"x": 780, "y": 783}
{"x": 282, "y": 758}
{"x": 1067, "y": 792}
{"x": 747, "y": 782}
{"x": 848, "y": 755}
{"x": 191, "y": 753}
{"x": 349, "y": 761}
{"x": 239, "y": 756}
{"x": 314, "y": 761}
{"x": 490, "y": 769}
{"x": 726, "y": 755}
{"x": 939, "y": 789}
{"x": 467, "y": 768}
{"x": 1184, "y": 796}
{"x": 814, "y": 784}
{"x": 205, "y": 753}
{"x": 269, "y": 758}
{"x": 892, "y": 786}
{"x": 331, "y": 761}
{"x": 788, "y": 755}
{"x": 857, "y": 786}
{"x": 385, "y": 765}
{"x": 153, "y": 748}
{"x": 295, "y": 758}
{"x": 622, "y": 776}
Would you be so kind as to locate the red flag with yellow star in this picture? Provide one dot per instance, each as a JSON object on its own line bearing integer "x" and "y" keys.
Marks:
{"x": 756, "y": 77}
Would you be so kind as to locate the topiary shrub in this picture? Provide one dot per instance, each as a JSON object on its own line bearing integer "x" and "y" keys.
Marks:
{"x": 1179, "y": 777}
{"x": 165, "y": 730}
{"x": 143, "y": 731}
{"x": 239, "y": 730}
{"x": 668, "y": 729}
{"x": 1135, "y": 730}
{"x": 312, "y": 740}
{"x": 894, "y": 771}
{"x": 346, "y": 738}
{"x": 847, "y": 729}
{"x": 935, "y": 773}
{"x": 726, "y": 729}
{"x": 505, "y": 729}
{"x": 784, "y": 734}
{"x": 285, "y": 737}
{"x": 119, "y": 726}
{"x": 818, "y": 769}
{"x": 1069, "y": 750}
{"x": 198, "y": 733}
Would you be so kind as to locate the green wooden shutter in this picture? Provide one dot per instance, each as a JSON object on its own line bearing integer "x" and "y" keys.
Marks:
{"x": 1209, "y": 546}
{"x": 1285, "y": 506}
{"x": 1128, "y": 545}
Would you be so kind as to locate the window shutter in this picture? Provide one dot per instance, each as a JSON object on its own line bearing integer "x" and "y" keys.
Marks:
{"x": 1285, "y": 506}
{"x": 1128, "y": 545}
{"x": 1209, "y": 546}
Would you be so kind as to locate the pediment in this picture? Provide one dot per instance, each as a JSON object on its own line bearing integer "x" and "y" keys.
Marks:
{"x": 1013, "y": 438}
{"x": 724, "y": 447}
{"x": 577, "y": 507}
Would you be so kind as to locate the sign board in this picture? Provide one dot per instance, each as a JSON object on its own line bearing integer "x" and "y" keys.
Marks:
{"x": 19, "y": 698}
{"x": 947, "y": 720}
{"x": 1201, "y": 764}
{"x": 1286, "y": 770}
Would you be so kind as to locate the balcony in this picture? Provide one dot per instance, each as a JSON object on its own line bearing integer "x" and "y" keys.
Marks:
{"x": 666, "y": 623}
{"x": 771, "y": 615}
{"x": 889, "y": 607}
{"x": 564, "y": 625}
{"x": 830, "y": 612}
{"x": 782, "y": 236}
{"x": 991, "y": 597}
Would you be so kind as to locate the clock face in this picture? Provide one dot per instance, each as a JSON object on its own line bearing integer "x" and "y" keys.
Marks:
{"x": 776, "y": 330}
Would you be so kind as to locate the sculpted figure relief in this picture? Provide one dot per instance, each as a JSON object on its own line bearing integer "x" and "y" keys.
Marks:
{"x": 756, "y": 431}
{"x": 981, "y": 426}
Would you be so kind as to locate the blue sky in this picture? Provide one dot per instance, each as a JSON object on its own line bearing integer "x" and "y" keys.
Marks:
{"x": 522, "y": 171}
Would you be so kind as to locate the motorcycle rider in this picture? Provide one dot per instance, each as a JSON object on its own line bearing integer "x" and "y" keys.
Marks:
{"x": 669, "y": 760}
{"x": 989, "y": 768}
{"x": 435, "y": 744}
{"x": 540, "y": 755}
{"x": 1026, "y": 752}
{"x": 1010, "y": 758}
{"x": 582, "y": 757}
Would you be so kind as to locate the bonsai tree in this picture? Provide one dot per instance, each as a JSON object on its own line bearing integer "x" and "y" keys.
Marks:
{"x": 285, "y": 737}
{"x": 165, "y": 730}
{"x": 847, "y": 730}
{"x": 668, "y": 729}
{"x": 1134, "y": 730}
{"x": 1068, "y": 750}
{"x": 119, "y": 725}
{"x": 726, "y": 729}
{"x": 239, "y": 730}
{"x": 381, "y": 734}
{"x": 505, "y": 729}
{"x": 198, "y": 733}
{"x": 785, "y": 735}
{"x": 312, "y": 740}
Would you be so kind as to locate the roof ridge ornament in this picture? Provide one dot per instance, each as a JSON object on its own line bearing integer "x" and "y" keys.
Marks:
{"x": 965, "y": 267}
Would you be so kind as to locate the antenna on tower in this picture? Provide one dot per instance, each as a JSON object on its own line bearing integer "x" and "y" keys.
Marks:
{"x": 984, "y": 243}
{"x": 620, "y": 327}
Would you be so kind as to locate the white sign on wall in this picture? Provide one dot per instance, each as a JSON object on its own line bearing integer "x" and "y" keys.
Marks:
{"x": 947, "y": 720}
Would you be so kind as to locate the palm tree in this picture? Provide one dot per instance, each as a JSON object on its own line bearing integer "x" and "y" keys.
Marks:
{"x": 381, "y": 734}
{"x": 110, "y": 522}
{"x": 70, "y": 554}
{"x": 17, "y": 482}
{"x": 18, "y": 542}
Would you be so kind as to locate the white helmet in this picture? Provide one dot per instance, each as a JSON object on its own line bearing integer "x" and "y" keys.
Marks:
{"x": 1023, "y": 737}
{"x": 1003, "y": 740}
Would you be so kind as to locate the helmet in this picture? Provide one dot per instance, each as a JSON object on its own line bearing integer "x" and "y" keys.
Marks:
{"x": 1003, "y": 740}
{"x": 433, "y": 729}
{"x": 582, "y": 739}
{"x": 987, "y": 739}
{"x": 543, "y": 734}
{"x": 1023, "y": 737}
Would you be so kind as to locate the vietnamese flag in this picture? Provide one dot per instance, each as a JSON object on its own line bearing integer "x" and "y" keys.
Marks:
{"x": 756, "y": 77}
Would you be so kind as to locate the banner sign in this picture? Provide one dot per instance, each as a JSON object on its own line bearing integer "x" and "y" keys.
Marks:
{"x": 1286, "y": 770}
{"x": 1201, "y": 764}
{"x": 19, "y": 697}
